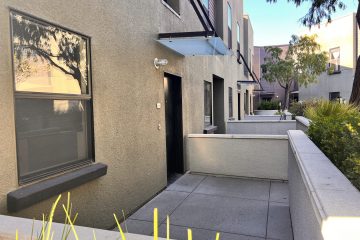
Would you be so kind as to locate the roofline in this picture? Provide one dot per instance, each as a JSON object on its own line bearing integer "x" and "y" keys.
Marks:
{"x": 336, "y": 19}
{"x": 276, "y": 45}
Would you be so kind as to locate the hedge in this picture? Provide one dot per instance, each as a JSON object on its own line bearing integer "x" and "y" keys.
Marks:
{"x": 335, "y": 129}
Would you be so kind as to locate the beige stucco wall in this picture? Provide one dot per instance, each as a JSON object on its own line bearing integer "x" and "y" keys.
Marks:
{"x": 126, "y": 88}
{"x": 341, "y": 33}
{"x": 261, "y": 126}
{"x": 239, "y": 155}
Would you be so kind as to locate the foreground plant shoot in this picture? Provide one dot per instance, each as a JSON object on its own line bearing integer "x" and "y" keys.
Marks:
{"x": 46, "y": 232}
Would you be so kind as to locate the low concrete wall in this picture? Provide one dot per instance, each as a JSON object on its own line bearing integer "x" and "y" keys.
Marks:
{"x": 266, "y": 117}
{"x": 258, "y": 156}
{"x": 268, "y": 127}
{"x": 9, "y": 225}
{"x": 302, "y": 123}
{"x": 265, "y": 112}
{"x": 323, "y": 203}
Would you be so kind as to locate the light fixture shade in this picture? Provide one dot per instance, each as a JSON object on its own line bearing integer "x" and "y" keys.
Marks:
{"x": 160, "y": 62}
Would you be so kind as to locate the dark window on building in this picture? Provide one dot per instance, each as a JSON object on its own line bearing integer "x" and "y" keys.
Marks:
{"x": 245, "y": 102}
{"x": 230, "y": 102}
{"x": 207, "y": 103}
{"x": 334, "y": 65}
{"x": 229, "y": 13}
{"x": 334, "y": 96}
{"x": 250, "y": 61}
{"x": 53, "y": 106}
{"x": 174, "y": 4}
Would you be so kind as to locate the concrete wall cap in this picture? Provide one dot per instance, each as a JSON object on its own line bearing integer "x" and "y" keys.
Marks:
{"x": 333, "y": 197}
{"x": 9, "y": 225}
{"x": 238, "y": 136}
{"x": 262, "y": 121}
{"x": 303, "y": 120}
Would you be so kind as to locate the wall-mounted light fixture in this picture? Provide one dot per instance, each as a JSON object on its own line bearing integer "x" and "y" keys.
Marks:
{"x": 160, "y": 62}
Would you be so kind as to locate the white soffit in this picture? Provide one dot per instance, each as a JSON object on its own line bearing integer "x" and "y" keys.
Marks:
{"x": 196, "y": 46}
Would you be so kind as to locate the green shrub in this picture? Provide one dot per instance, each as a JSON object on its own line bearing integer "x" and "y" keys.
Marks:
{"x": 335, "y": 129}
{"x": 269, "y": 105}
{"x": 298, "y": 108}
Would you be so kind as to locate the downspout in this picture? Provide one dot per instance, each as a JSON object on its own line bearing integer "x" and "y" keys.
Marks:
{"x": 246, "y": 65}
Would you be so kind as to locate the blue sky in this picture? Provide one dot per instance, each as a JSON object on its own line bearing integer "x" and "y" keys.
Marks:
{"x": 275, "y": 23}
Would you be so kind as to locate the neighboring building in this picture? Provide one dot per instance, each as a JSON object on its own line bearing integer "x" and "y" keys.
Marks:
{"x": 271, "y": 91}
{"x": 340, "y": 40}
{"x": 248, "y": 59}
{"x": 65, "y": 111}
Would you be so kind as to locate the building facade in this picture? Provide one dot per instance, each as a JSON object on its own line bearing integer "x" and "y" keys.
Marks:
{"x": 83, "y": 96}
{"x": 270, "y": 91}
{"x": 340, "y": 40}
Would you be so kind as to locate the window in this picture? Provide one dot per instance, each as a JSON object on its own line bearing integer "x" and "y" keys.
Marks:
{"x": 230, "y": 102}
{"x": 53, "y": 108}
{"x": 334, "y": 65}
{"x": 229, "y": 26}
{"x": 250, "y": 60}
{"x": 334, "y": 96}
{"x": 207, "y": 103}
{"x": 246, "y": 102}
{"x": 173, "y": 4}
{"x": 238, "y": 35}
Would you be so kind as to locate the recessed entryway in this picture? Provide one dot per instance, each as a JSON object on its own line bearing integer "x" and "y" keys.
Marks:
{"x": 219, "y": 112}
{"x": 174, "y": 129}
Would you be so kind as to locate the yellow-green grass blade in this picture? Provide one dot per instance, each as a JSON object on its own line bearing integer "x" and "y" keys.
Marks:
{"x": 217, "y": 236}
{"x": 94, "y": 236}
{"x": 51, "y": 217}
{"x": 71, "y": 223}
{"x": 119, "y": 227}
{"x": 189, "y": 234}
{"x": 156, "y": 233}
{"x": 167, "y": 227}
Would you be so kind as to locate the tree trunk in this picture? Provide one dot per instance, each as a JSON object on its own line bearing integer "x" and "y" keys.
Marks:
{"x": 355, "y": 93}
{"x": 287, "y": 97}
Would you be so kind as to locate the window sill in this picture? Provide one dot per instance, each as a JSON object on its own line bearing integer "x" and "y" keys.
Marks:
{"x": 34, "y": 193}
{"x": 171, "y": 9}
{"x": 210, "y": 129}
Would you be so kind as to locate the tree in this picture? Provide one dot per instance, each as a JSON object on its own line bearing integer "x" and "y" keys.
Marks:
{"x": 323, "y": 9}
{"x": 302, "y": 62}
{"x": 57, "y": 47}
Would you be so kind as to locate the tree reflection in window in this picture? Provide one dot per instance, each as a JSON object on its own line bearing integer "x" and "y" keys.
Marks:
{"x": 48, "y": 58}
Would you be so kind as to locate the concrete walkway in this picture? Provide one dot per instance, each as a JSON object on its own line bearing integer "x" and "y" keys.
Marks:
{"x": 240, "y": 209}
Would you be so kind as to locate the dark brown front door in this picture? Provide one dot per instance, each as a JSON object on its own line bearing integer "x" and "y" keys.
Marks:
{"x": 174, "y": 130}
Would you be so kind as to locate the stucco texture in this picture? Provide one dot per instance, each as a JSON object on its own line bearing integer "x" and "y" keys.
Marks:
{"x": 126, "y": 89}
{"x": 239, "y": 155}
{"x": 340, "y": 33}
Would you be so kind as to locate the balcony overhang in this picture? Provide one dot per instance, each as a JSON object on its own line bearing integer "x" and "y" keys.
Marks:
{"x": 194, "y": 43}
{"x": 256, "y": 84}
{"x": 267, "y": 94}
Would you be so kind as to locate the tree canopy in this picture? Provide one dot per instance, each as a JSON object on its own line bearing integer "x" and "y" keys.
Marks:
{"x": 303, "y": 62}
{"x": 319, "y": 10}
